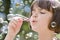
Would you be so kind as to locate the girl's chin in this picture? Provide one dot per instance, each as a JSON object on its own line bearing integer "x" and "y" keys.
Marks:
{"x": 34, "y": 25}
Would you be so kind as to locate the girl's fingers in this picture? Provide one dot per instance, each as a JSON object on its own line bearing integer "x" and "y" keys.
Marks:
{"x": 19, "y": 24}
{"x": 12, "y": 22}
{"x": 15, "y": 23}
{"x": 12, "y": 26}
{"x": 20, "y": 21}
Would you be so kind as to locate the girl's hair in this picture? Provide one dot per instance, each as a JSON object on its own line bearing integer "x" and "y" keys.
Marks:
{"x": 47, "y": 4}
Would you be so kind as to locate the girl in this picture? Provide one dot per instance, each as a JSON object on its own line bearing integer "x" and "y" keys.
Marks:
{"x": 45, "y": 20}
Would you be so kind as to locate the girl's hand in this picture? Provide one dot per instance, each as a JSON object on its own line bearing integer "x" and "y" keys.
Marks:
{"x": 14, "y": 26}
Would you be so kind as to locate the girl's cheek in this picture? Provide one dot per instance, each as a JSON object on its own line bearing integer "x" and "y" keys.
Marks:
{"x": 31, "y": 18}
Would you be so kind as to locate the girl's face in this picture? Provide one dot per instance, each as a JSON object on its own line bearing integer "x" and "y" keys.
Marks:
{"x": 40, "y": 17}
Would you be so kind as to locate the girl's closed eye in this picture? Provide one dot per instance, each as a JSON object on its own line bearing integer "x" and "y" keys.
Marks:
{"x": 42, "y": 13}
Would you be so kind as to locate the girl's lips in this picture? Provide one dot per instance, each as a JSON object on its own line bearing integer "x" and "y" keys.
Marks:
{"x": 34, "y": 21}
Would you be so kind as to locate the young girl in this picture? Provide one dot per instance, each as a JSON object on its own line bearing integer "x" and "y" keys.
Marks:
{"x": 45, "y": 20}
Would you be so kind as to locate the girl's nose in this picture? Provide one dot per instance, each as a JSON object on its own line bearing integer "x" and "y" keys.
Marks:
{"x": 35, "y": 16}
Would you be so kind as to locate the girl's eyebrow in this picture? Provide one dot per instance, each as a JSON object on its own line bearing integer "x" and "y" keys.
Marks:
{"x": 33, "y": 9}
{"x": 40, "y": 9}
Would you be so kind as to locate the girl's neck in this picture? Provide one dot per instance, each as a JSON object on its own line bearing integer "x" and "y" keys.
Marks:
{"x": 45, "y": 33}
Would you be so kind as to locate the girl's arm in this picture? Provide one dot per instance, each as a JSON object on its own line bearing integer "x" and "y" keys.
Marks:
{"x": 9, "y": 37}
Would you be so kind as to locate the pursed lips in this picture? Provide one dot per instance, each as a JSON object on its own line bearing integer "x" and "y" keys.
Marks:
{"x": 34, "y": 21}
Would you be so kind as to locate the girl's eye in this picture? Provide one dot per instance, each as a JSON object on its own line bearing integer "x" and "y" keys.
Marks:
{"x": 42, "y": 13}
